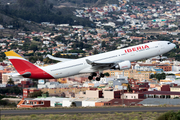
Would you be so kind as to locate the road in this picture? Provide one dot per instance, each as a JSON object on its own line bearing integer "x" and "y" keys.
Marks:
{"x": 88, "y": 110}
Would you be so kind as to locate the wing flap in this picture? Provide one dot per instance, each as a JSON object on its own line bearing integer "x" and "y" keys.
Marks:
{"x": 108, "y": 64}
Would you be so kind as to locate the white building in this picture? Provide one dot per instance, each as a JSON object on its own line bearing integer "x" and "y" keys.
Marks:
{"x": 52, "y": 85}
{"x": 53, "y": 100}
{"x": 1, "y": 27}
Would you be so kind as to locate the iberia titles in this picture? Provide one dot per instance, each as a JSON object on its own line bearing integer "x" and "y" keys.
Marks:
{"x": 136, "y": 48}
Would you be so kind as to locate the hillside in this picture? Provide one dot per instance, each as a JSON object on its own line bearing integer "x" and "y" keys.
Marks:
{"x": 11, "y": 11}
{"x": 19, "y": 25}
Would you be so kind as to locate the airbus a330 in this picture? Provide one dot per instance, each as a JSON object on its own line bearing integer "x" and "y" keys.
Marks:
{"x": 118, "y": 59}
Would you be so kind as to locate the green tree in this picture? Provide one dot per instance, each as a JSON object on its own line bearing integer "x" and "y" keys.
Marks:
{"x": 95, "y": 51}
{"x": 103, "y": 36}
{"x": 10, "y": 82}
{"x": 158, "y": 76}
{"x": 36, "y": 39}
{"x": 107, "y": 74}
{"x": 1, "y": 60}
{"x": 170, "y": 115}
{"x": 73, "y": 104}
{"x": 59, "y": 38}
{"x": 35, "y": 94}
{"x": 103, "y": 44}
{"x": 51, "y": 6}
{"x": 33, "y": 47}
{"x": 16, "y": 90}
{"x": 129, "y": 89}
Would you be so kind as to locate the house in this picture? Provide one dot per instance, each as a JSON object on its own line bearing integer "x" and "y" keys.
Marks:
{"x": 132, "y": 96}
{"x": 28, "y": 91}
{"x": 33, "y": 103}
{"x": 1, "y": 27}
{"x": 91, "y": 94}
{"x": 111, "y": 94}
{"x": 161, "y": 94}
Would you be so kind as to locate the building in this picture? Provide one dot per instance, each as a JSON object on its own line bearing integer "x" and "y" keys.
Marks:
{"x": 175, "y": 89}
{"x": 17, "y": 79}
{"x": 3, "y": 72}
{"x": 159, "y": 101}
{"x": 54, "y": 101}
{"x": 60, "y": 91}
{"x": 165, "y": 87}
{"x": 90, "y": 94}
{"x": 152, "y": 68}
{"x": 1, "y": 27}
{"x": 122, "y": 102}
{"x": 52, "y": 85}
{"x": 25, "y": 84}
{"x": 139, "y": 75}
{"x": 165, "y": 67}
{"x": 85, "y": 102}
{"x": 132, "y": 96}
{"x": 140, "y": 86}
{"x": 161, "y": 94}
{"x": 27, "y": 91}
{"x": 12, "y": 100}
{"x": 33, "y": 103}
{"x": 111, "y": 94}
{"x": 6, "y": 77}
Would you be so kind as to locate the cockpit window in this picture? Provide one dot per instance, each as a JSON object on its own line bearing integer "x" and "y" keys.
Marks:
{"x": 169, "y": 43}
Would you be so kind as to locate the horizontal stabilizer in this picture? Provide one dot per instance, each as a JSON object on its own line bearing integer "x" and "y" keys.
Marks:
{"x": 26, "y": 74}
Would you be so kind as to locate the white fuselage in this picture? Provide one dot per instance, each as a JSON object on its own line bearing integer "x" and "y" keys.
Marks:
{"x": 133, "y": 53}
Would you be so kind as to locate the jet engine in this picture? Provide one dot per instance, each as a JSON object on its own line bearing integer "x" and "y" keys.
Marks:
{"x": 123, "y": 65}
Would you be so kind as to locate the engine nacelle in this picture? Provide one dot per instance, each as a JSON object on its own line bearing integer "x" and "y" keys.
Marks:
{"x": 123, "y": 65}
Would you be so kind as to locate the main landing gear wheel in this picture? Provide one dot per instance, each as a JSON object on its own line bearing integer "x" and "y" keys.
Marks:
{"x": 92, "y": 75}
{"x": 101, "y": 75}
{"x": 97, "y": 78}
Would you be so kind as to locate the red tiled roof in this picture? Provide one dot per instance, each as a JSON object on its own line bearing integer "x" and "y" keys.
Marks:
{"x": 125, "y": 101}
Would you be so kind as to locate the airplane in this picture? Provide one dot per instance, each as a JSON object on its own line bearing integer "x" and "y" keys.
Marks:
{"x": 118, "y": 59}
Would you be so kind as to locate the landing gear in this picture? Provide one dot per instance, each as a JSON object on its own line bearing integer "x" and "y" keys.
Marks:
{"x": 90, "y": 77}
{"x": 98, "y": 78}
{"x": 101, "y": 75}
{"x": 160, "y": 56}
{"x": 94, "y": 74}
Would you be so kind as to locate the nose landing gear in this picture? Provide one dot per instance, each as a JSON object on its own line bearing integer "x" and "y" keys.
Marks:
{"x": 160, "y": 57}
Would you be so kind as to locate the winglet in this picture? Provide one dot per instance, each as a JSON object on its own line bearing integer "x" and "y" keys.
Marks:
{"x": 89, "y": 62}
{"x": 58, "y": 59}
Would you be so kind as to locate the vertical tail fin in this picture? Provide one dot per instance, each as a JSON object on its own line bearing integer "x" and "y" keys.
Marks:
{"x": 25, "y": 68}
{"x": 19, "y": 62}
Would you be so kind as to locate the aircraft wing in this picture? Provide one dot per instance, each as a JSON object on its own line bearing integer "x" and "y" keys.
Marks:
{"x": 58, "y": 59}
